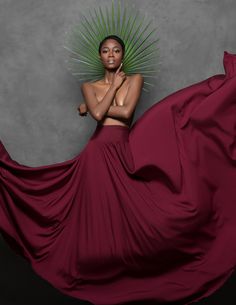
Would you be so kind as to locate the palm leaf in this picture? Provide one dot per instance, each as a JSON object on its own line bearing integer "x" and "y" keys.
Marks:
{"x": 141, "y": 51}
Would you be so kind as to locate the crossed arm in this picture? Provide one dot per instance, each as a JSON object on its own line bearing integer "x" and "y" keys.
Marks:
{"x": 124, "y": 111}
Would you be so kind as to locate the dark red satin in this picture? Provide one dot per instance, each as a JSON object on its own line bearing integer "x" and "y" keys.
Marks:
{"x": 146, "y": 213}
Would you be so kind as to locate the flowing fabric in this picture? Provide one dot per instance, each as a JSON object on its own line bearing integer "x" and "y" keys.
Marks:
{"x": 146, "y": 213}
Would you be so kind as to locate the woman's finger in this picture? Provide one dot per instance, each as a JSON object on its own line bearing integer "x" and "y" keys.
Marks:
{"x": 122, "y": 73}
{"x": 118, "y": 70}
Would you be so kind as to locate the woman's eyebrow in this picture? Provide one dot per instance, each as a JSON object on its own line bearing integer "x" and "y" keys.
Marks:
{"x": 113, "y": 47}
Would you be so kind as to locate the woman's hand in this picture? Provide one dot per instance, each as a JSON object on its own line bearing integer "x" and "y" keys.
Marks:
{"x": 118, "y": 78}
{"x": 83, "y": 110}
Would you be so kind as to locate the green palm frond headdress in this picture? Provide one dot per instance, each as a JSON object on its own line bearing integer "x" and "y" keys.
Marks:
{"x": 141, "y": 51}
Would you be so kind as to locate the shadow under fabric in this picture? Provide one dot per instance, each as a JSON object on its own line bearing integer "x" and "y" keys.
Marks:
{"x": 141, "y": 213}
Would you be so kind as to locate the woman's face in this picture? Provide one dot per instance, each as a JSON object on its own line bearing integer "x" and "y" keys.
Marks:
{"x": 111, "y": 54}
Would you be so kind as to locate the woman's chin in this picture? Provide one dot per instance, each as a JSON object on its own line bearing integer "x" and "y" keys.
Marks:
{"x": 111, "y": 68}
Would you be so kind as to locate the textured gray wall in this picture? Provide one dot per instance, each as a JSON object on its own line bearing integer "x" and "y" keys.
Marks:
{"x": 39, "y": 123}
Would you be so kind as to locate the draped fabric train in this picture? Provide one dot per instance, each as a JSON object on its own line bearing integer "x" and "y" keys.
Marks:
{"x": 141, "y": 213}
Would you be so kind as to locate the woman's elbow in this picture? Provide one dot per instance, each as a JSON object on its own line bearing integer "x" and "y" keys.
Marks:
{"x": 97, "y": 116}
{"x": 127, "y": 114}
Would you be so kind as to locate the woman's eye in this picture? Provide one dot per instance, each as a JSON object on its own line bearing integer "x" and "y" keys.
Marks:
{"x": 105, "y": 51}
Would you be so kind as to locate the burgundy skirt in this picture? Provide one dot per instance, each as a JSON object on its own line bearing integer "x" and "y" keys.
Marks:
{"x": 146, "y": 213}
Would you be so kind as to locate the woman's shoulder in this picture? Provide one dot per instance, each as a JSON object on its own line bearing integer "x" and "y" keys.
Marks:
{"x": 93, "y": 83}
{"x": 136, "y": 75}
{"x": 136, "y": 78}
{"x": 89, "y": 85}
{"x": 86, "y": 84}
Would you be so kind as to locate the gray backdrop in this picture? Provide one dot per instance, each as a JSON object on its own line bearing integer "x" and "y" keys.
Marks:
{"x": 39, "y": 122}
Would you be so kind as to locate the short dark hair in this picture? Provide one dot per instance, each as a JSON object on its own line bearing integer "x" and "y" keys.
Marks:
{"x": 118, "y": 39}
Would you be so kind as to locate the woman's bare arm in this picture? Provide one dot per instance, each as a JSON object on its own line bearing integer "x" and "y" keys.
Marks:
{"x": 130, "y": 101}
{"x": 95, "y": 108}
{"x": 125, "y": 111}
{"x": 98, "y": 109}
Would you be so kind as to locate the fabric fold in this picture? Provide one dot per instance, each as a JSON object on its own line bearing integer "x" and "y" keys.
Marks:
{"x": 146, "y": 213}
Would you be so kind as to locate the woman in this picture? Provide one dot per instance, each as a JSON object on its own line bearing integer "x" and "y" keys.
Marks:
{"x": 142, "y": 213}
{"x": 113, "y": 99}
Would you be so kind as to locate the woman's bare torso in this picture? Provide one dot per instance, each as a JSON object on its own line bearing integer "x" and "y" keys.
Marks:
{"x": 101, "y": 89}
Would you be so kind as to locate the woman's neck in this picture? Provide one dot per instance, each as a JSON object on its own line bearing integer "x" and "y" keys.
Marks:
{"x": 108, "y": 77}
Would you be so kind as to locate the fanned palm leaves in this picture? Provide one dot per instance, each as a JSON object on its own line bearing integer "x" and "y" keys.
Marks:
{"x": 141, "y": 51}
